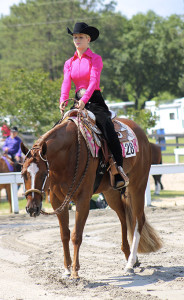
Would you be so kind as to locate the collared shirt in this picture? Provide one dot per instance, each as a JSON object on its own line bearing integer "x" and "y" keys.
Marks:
{"x": 84, "y": 72}
{"x": 13, "y": 146}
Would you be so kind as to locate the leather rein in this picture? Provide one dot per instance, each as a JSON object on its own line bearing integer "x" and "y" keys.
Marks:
{"x": 71, "y": 192}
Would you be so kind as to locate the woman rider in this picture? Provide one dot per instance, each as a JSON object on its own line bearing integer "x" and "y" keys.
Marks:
{"x": 84, "y": 69}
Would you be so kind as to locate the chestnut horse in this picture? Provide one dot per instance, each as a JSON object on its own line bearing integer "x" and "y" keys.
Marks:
{"x": 4, "y": 169}
{"x": 156, "y": 158}
{"x": 72, "y": 171}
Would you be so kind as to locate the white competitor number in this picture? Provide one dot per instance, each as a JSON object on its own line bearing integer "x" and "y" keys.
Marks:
{"x": 129, "y": 149}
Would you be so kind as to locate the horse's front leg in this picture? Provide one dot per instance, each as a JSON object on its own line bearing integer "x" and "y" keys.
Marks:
{"x": 82, "y": 211}
{"x": 63, "y": 218}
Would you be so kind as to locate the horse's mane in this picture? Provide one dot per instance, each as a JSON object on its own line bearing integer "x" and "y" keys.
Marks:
{"x": 46, "y": 135}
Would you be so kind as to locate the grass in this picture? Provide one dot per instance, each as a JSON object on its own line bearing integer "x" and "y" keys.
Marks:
{"x": 168, "y": 194}
{"x": 4, "y": 206}
{"x": 170, "y": 149}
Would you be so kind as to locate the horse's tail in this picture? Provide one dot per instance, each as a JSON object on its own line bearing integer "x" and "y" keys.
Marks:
{"x": 149, "y": 240}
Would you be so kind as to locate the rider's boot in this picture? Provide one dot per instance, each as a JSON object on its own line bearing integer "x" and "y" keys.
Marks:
{"x": 119, "y": 179}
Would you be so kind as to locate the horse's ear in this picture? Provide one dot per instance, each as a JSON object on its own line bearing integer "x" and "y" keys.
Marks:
{"x": 44, "y": 149}
{"x": 24, "y": 149}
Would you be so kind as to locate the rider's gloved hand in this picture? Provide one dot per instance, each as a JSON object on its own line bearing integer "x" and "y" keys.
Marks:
{"x": 80, "y": 105}
{"x": 62, "y": 107}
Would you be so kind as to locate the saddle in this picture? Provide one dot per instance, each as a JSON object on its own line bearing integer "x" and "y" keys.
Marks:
{"x": 98, "y": 145}
{"x": 13, "y": 166}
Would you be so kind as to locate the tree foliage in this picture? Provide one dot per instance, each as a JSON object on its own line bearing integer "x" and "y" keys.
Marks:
{"x": 150, "y": 60}
{"x": 30, "y": 98}
{"x": 143, "y": 117}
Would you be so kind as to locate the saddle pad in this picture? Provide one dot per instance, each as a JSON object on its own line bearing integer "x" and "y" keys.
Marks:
{"x": 127, "y": 138}
{"x": 92, "y": 134}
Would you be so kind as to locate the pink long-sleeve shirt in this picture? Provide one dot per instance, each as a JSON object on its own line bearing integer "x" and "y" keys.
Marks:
{"x": 84, "y": 72}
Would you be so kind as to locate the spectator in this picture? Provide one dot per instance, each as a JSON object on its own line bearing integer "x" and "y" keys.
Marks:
{"x": 12, "y": 147}
{"x": 5, "y": 130}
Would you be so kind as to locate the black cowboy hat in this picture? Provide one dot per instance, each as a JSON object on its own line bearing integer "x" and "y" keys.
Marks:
{"x": 84, "y": 28}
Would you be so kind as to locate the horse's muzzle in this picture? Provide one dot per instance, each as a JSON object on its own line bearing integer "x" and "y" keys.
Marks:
{"x": 34, "y": 210}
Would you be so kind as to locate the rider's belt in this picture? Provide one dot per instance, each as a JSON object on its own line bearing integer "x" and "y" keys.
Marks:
{"x": 81, "y": 93}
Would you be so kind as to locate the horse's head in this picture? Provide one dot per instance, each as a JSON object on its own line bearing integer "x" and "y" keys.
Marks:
{"x": 35, "y": 172}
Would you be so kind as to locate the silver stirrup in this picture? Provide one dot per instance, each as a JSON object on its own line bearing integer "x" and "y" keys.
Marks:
{"x": 123, "y": 175}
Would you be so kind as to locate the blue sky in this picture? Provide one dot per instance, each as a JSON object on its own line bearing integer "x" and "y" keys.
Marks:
{"x": 128, "y": 8}
{"x": 163, "y": 8}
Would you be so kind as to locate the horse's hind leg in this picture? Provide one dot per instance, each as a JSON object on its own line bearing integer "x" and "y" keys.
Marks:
{"x": 135, "y": 224}
{"x": 115, "y": 201}
{"x": 157, "y": 184}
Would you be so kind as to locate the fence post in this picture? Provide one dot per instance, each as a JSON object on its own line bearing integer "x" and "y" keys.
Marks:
{"x": 14, "y": 198}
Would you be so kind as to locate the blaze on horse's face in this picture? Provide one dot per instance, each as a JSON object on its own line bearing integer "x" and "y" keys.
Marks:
{"x": 34, "y": 172}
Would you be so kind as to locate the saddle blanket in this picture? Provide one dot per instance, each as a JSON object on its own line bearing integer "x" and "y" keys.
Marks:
{"x": 92, "y": 134}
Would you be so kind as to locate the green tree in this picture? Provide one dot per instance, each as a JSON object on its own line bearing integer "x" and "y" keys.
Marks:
{"x": 34, "y": 36}
{"x": 112, "y": 27}
{"x": 150, "y": 59}
{"x": 31, "y": 100}
{"x": 143, "y": 117}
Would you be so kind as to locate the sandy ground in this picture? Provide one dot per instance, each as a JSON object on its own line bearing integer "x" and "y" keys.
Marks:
{"x": 31, "y": 257}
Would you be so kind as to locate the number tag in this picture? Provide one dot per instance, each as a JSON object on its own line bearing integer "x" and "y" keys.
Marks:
{"x": 129, "y": 149}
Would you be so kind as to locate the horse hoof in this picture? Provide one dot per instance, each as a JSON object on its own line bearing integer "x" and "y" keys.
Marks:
{"x": 75, "y": 276}
{"x": 129, "y": 271}
{"x": 137, "y": 263}
{"x": 157, "y": 193}
{"x": 65, "y": 276}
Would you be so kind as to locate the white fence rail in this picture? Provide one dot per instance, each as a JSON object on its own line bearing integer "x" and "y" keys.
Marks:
{"x": 15, "y": 178}
{"x": 158, "y": 170}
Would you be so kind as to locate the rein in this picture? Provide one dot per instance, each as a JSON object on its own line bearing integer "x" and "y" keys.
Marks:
{"x": 70, "y": 193}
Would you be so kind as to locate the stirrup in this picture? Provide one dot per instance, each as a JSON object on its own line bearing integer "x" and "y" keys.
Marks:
{"x": 125, "y": 181}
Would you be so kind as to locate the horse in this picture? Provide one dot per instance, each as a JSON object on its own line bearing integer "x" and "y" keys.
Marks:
{"x": 63, "y": 155}
{"x": 4, "y": 169}
{"x": 6, "y": 166}
{"x": 156, "y": 158}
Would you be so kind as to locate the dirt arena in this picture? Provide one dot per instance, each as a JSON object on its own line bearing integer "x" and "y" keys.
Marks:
{"x": 32, "y": 262}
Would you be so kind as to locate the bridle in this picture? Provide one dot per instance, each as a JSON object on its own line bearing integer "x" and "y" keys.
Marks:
{"x": 40, "y": 192}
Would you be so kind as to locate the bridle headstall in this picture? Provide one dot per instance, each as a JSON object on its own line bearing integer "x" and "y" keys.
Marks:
{"x": 40, "y": 192}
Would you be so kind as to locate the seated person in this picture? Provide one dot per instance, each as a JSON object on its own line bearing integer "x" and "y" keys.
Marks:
{"x": 12, "y": 147}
